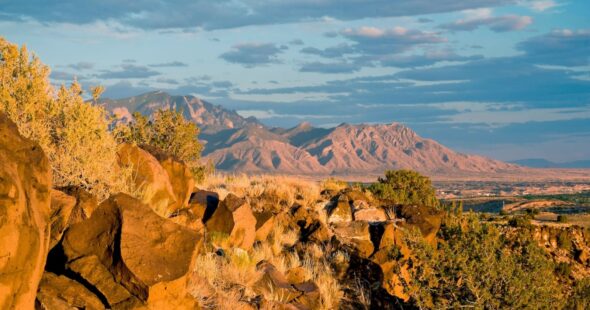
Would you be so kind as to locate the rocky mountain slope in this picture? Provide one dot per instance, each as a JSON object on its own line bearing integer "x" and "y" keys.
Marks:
{"x": 238, "y": 144}
{"x": 209, "y": 117}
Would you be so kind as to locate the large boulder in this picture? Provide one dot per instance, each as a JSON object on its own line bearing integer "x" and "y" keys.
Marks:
{"x": 233, "y": 218}
{"x": 150, "y": 178}
{"x": 265, "y": 222}
{"x": 62, "y": 293}
{"x": 179, "y": 174}
{"x": 131, "y": 256}
{"x": 25, "y": 183}
{"x": 340, "y": 210}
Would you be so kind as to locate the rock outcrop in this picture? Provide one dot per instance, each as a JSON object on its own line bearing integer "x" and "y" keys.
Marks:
{"x": 25, "y": 184}
{"x": 131, "y": 256}
{"x": 179, "y": 174}
{"x": 151, "y": 179}
{"x": 233, "y": 218}
{"x": 60, "y": 292}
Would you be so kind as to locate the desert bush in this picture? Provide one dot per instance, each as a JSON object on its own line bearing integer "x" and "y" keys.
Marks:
{"x": 562, "y": 218}
{"x": 169, "y": 131}
{"x": 405, "y": 187}
{"x": 333, "y": 184}
{"x": 520, "y": 221}
{"x": 476, "y": 266}
{"x": 564, "y": 240}
{"x": 73, "y": 134}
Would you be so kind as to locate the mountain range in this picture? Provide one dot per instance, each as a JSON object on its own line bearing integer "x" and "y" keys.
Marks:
{"x": 237, "y": 144}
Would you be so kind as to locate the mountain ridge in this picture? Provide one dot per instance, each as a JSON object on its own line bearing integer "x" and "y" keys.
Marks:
{"x": 238, "y": 144}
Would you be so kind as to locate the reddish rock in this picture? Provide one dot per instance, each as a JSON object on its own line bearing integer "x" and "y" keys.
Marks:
{"x": 427, "y": 219}
{"x": 85, "y": 202}
{"x": 340, "y": 211}
{"x": 61, "y": 293}
{"x": 61, "y": 210}
{"x": 233, "y": 217}
{"x": 179, "y": 174}
{"x": 356, "y": 235}
{"x": 370, "y": 215}
{"x": 265, "y": 222}
{"x": 132, "y": 256}
{"x": 25, "y": 183}
{"x": 151, "y": 179}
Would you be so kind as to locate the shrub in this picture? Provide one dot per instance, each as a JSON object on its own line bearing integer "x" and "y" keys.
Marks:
{"x": 562, "y": 218}
{"x": 477, "y": 265}
{"x": 169, "y": 131}
{"x": 563, "y": 269}
{"x": 520, "y": 222}
{"x": 405, "y": 187}
{"x": 73, "y": 134}
{"x": 564, "y": 240}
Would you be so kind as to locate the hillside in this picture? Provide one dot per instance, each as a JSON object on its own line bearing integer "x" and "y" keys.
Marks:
{"x": 238, "y": 144}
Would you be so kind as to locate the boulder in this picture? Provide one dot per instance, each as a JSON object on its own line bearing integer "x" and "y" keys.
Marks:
{"x": 233, "y": 217}
{"x": 61, "y": 210}
{"x": 86, "y": 203}
{"x": 355, "y": 234}
{"x": 274, "y": 283}
{"x": 340, "y": 211}
{"x": 131, "y": 256}
{"x": 265, "y": 222}
{"x": 194, "y": 215}
{"x": 370, "y": 214}
{"x": 308, "y": 222}
{"x": 426, "y": 219}
{"x": 150, "y": 178}
{"x": 25, "y": 184}
{"x": 61, "y": 293}
{"x": 179, "y": 174}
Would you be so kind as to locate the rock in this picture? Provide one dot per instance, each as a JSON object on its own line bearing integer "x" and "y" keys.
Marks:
{"x": 85, "y": 201}
{"x": 308, "y": 222}
{"x": 370, "y": 214}
{"x": 201, "y": 201}
{"x": 59, "y": 292}
{"x": 151, "y": 179}
{"x": 273, "y": 283}
{"x": 25, "y": 183}
{"x": 265, "y": 222}
{"x": 340, "y": 211}
{"x": 427, "y": 219}
{"x": 583, "y": 256}
{"x": 355, "y": 234}
{"x": 233, "y": 217}
{"x": 132, "y": 256}
{"x": 179, "y": 174}
{"x": 61, "y": 209}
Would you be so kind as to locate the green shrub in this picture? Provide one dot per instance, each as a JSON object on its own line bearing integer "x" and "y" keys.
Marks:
{"x": 405, "y": 187}
{"x": 73, "y": 134}
{"x": 476, "y": 265}
{"x": 169, "y": 131}
{"x": 562, "y": 218}
{"x": 520, "y": 222}
{"x": 563, "y": 269}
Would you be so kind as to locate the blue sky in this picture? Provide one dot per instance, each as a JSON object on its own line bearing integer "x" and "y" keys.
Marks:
{"x": 504, "y": 78}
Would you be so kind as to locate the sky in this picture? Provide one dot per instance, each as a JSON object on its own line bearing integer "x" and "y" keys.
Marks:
{"x": 508, "y": 79}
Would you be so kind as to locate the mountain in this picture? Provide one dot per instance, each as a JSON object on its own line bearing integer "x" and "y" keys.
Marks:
{"x": 210, "y": 118}
{"x": 238, "y": 144}
{"x": 543, "y": 163}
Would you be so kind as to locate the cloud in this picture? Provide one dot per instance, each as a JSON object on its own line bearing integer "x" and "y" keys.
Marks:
{"x": 330, "y": 52}
{"x": 483, "y": 17}
{"x": 426, "y": 59}
{"x": 333, "y": 67}
{"x": 152, "y": 14}
{"x": 171, "y": 64}
{"x": 80, "y": 66}
{"x": 561, "y": 47}
{"x": 542, "y": 5}
{"x": 373, "y": 40}
{"x": 252, "y": 54}
{"x": 128, "y": 71}
{"x": 296, "y": 42}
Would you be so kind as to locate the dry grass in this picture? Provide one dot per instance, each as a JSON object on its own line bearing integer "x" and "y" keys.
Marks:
{"x": 228, "y": 282}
